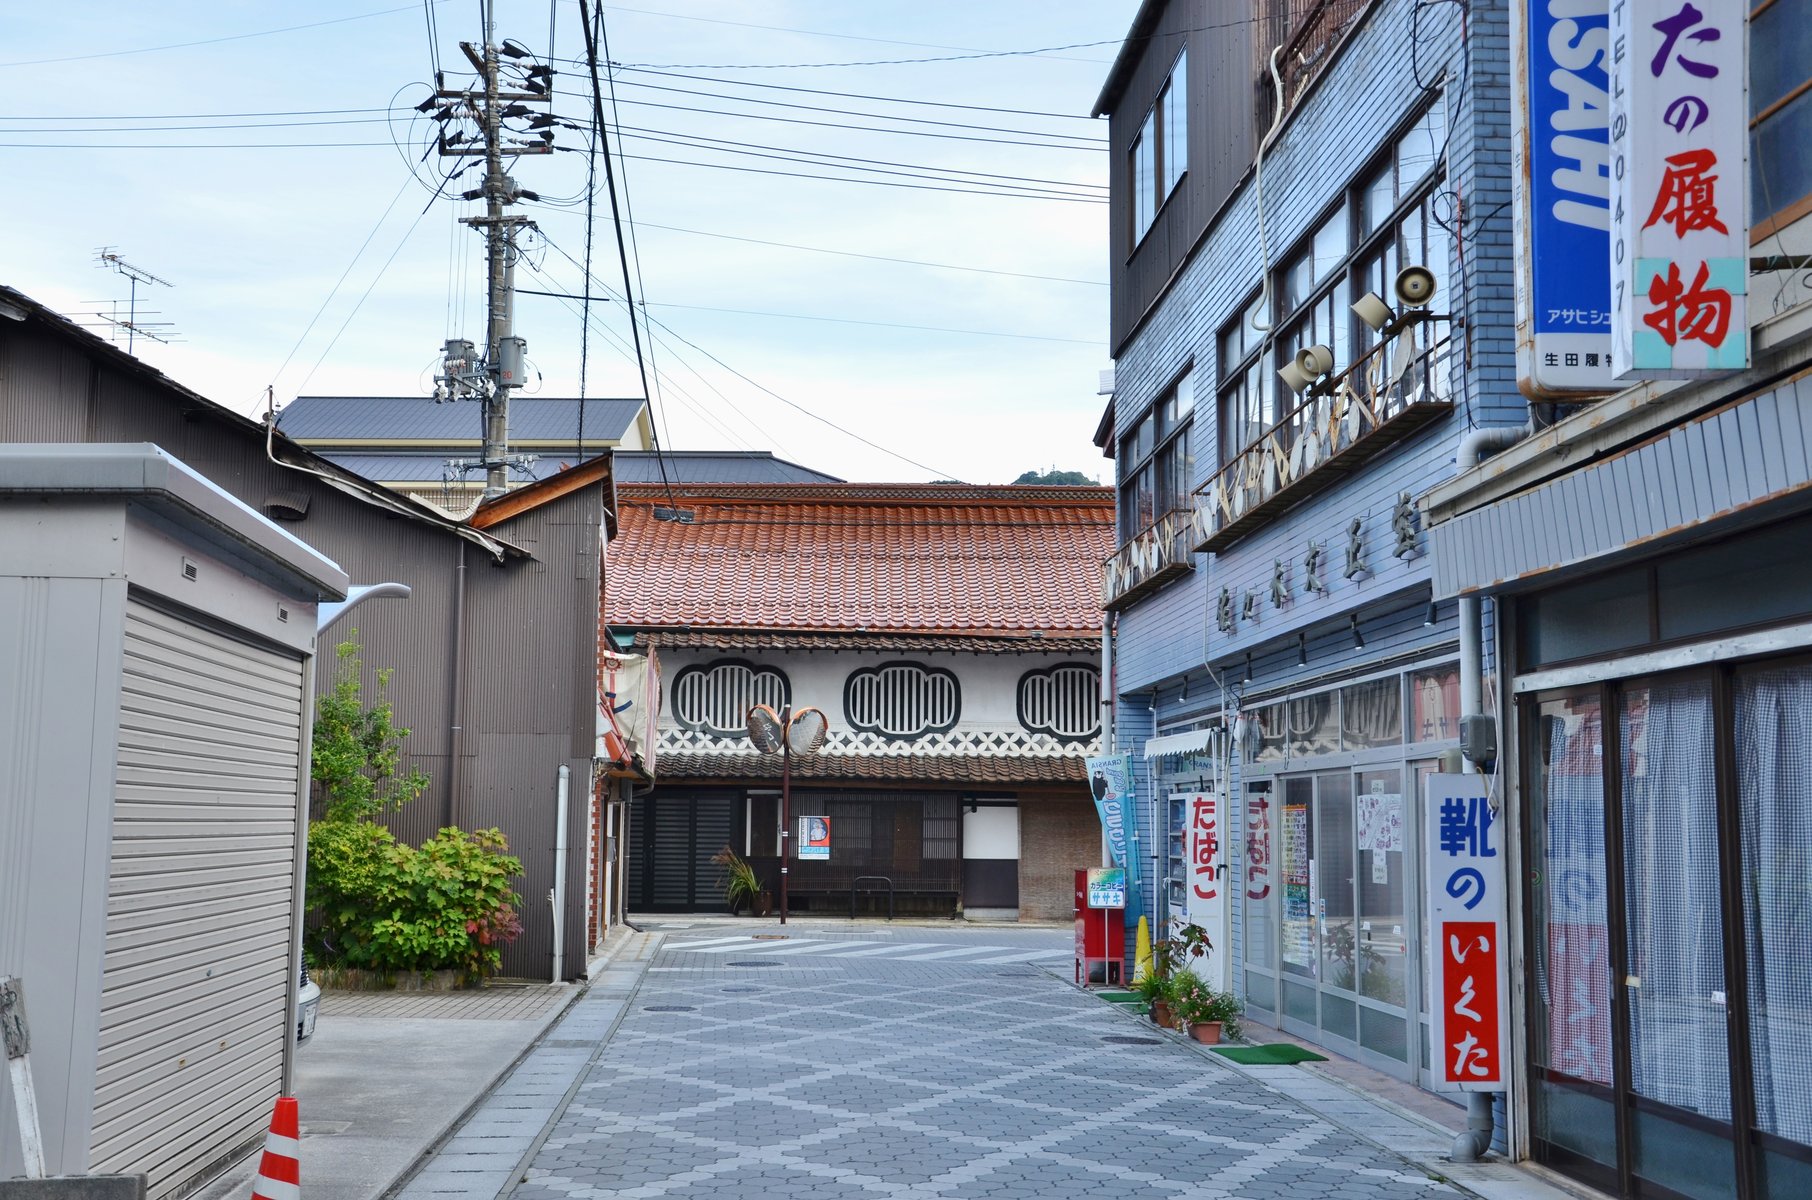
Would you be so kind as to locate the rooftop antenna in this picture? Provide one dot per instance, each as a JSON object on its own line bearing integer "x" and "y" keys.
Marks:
{"x": 105, "y": 257}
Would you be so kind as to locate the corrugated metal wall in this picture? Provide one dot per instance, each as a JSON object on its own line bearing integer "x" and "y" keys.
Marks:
{"x": 531, "y": 625}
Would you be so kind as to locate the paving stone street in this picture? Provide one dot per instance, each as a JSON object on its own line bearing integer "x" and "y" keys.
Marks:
{"x": 847, "y": 1071}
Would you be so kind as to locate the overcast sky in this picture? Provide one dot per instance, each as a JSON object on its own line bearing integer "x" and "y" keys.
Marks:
{"x": 116, "y": 137}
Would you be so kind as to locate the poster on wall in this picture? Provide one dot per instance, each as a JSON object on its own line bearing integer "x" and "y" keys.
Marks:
{"x": 1110, "y": 779}
{"x": 1205, "y": 902}
{"x": 1560, "y": 130}
{"x": 1298, "y": 871}
{"x": 814, "y": 837}
{"x": 1467, "y": 915}
{"x": 1679, "y": 188}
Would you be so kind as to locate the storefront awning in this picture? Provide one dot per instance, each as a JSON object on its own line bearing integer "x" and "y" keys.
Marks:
{"x": 1196, "y": 741}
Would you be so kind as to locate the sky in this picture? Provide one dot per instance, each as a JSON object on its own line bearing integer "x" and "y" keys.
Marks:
{"x": 267, "y": 161}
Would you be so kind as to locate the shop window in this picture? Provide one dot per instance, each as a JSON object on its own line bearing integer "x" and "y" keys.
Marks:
{"x": 1434, "y": 704}
{"x": 1381, "y": 832}
{"x": 1313, "y": 724}
{"x": 1371, "y": 714}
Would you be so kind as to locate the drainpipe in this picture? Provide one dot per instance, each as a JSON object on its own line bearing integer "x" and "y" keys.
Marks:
{"x": 456, "y": 725}
{"x": 558, "y": 895}
{"x": 1475, "y": 445}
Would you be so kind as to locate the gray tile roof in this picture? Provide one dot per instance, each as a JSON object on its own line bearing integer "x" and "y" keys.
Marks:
{"x": 413, "y": 418}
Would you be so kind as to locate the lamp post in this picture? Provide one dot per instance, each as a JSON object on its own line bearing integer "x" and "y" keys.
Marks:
{"x": 786, "y": 734}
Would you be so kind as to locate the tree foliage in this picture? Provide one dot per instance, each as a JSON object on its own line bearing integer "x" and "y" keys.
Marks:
{"x": 379, "y": 904}
{"x": 1055, "y": 477}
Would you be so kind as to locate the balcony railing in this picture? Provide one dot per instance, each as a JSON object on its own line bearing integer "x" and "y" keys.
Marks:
{"x": 1152, "y": 559}
{"x": 1381, "y": 399}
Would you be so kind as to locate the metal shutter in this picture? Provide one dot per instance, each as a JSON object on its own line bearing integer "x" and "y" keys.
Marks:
{"x": 196, "y": 975}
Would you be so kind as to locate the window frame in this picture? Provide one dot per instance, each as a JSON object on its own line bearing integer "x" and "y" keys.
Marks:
{"x": 1153, "y": 136}
{"x": 1342, "y": 284}
{"x": 1167, "y": 438}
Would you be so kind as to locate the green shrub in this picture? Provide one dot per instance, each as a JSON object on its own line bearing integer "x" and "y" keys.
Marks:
{"x": 378, "y": 904}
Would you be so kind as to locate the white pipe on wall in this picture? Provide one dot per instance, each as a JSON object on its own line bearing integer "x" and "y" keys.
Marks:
{"x": 559, "y": 892}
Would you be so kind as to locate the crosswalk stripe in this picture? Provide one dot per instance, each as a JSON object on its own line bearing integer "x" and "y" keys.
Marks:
{"x": 950, "y": 953}
{"x": 890, "y": 949}
{"x": 746, "y": 947}
{"x": 803, "y": 948}
{"x": 1026, "y": 956}
{"x": 706, "y": 942}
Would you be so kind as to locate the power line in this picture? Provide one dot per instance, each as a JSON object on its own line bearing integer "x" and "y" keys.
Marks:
{"x": 876, "y": 166}
{"x": 653, "y": 322}
{"x": 593, "y": 28}
{"x": 1086, "y": 139}
{"x": 915, "y": 262}
{"x": 919, "y": 187}
{"x": 752, "y": 312}
{"x": 873, "y": 62}
{"x": 928, "y": 133}
{"x": 782, "y": 87}
{"x": 237, "y": 37}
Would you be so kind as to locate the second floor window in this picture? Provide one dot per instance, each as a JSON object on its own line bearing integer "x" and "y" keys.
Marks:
{"x": 1157, "y": 465}
{"x": 1160, "y": 150}
{"x": 1383, "y": 222}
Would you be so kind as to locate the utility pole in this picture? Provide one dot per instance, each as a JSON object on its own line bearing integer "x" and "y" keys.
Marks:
{"x": 465, "y": 374}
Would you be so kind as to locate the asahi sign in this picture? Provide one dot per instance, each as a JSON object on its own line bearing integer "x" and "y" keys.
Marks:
{"x": 1679, "y": 188}
{"x": 1561, "y": 135}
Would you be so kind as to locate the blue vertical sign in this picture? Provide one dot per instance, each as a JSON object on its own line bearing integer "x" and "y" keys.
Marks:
{"x": 1562, "y": 189}
{"x": 1110, "y": 779}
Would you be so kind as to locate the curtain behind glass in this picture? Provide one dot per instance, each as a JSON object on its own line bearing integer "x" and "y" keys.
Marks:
{"x": 1573, "y": 962}
{"x": 1678, "y": 1036}
{"x": 1774, "y": 786}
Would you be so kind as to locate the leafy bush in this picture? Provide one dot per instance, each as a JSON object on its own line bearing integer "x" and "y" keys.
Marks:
{"x": 1195, "y": 1003}
{"x": 739, "y": 881}
{"x": 381, "y": 905}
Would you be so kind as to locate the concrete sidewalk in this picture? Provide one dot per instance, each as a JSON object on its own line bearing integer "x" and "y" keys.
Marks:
{"x": 389, "y": 1074}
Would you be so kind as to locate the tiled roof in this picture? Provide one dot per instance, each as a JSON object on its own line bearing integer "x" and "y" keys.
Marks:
{"x": 917, "y": 769}
{"x": 866, "y": 558}
{"x": 418, "y": 418}
{"x": 907, "y": 643}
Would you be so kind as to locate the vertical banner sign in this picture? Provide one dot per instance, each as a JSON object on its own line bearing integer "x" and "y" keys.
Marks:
{"x": 1207, "y": 896}
{"x": 1679, "y": 188}
{"x": 1110, "y": 779}
{"x": 1467, "y": 913}
{"x": 1560, "y": 136}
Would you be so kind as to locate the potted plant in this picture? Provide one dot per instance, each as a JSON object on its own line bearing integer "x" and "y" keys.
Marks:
{"x": 1203, "y": 1012}
{"x": 1155, "y": 990}
{"x": 740, "y": 883}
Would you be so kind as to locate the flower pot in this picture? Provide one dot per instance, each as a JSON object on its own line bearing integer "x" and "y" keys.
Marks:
{"x": 1207, "y": 1032}
{"x": 764, "y": 903}
{"x": 1160, "y": 1013}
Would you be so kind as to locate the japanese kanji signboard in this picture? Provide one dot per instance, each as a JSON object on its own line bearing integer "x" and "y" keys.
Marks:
{"x": 1561, "y": 125}
{"x": 1679, "y": 188}
{"x": 1206, "y": 901}
{"x": 1466, "y": 904}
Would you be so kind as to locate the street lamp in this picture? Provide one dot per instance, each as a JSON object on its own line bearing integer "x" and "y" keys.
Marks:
{"x": 786, "y": 734}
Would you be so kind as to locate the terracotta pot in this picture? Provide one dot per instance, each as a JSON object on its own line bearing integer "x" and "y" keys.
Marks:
{"x": 1160, "y": 1013}
{"x": 1208, "y": 1032}
{"x": 764, "y": 903}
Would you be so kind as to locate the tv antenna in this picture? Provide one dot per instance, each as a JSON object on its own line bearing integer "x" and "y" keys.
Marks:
{"x": 105, "y": 257}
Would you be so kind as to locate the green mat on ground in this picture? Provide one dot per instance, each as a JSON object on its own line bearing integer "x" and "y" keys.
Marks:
{"x": 1119, "y": 997}
{"x": 1276, "y": 1054}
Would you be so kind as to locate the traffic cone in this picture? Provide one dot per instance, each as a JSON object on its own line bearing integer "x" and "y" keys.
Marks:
{"x": 1141, "y": 957}
{"x": 280, "y": 1171}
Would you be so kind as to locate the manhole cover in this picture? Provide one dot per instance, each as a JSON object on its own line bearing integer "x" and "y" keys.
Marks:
{"x": 753, "y": 964}
{"x": 668, "y": 1008}
{"x": 1134, "y": 1041}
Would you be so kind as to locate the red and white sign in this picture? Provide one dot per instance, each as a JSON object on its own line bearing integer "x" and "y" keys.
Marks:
{"x": 1258, "y": 846}
{"x": 1204, "y": 817}
{"x": 1467, "y": 915}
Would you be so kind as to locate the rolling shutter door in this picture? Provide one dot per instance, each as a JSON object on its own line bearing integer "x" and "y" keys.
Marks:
{"x": 196, "y": 975}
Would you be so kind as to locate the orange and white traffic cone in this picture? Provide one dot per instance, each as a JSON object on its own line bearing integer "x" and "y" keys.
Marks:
{"x": 280, "y": 1171}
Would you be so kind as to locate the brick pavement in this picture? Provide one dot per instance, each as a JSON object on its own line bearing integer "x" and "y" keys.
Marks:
{"x": 494, "y": 1002}
{"x": 855, "y": 1077}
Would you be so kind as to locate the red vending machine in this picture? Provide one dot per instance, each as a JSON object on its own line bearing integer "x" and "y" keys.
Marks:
{"x": 1100, "y": 924}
